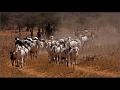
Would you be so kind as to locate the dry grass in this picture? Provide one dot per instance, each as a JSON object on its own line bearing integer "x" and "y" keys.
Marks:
{"x": 106, "y": 57}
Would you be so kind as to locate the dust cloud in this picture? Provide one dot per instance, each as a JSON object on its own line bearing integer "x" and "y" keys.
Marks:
{"x": 105, "y": 25}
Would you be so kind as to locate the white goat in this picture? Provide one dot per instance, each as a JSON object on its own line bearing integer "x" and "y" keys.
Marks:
{"x": 73, "y": 54}
{"x": 21, "y": 54}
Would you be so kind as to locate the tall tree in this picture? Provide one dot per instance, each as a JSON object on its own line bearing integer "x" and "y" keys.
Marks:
{"x": 4, "y": 18}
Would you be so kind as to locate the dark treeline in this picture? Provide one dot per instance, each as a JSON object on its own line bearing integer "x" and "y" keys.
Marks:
{"x": 45, "y": 21}
{"x": 48, "y": 22}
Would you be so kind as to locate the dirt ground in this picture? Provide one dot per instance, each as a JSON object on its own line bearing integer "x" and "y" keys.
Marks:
{"x": 100, "y": 58}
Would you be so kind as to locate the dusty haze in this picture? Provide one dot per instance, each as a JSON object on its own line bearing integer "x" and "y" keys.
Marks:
{"x": 105, "y": 48}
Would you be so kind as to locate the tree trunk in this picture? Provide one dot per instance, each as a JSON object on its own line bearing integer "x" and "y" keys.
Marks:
{"x": 27, "y": 29}
{"x": 31, "y": 30}
{"x": 19, "y": 29}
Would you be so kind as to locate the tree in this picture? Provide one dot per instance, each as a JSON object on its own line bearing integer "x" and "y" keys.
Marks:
{"x": 48, "y": 21}
{"x": 31, "y": 20}
{"x": 4, "y": 18}
{"x": 30, "y": 23}
{"x": 17, "y": 19}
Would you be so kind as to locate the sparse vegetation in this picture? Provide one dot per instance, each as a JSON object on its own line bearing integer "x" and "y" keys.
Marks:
{"x": 102, "y": 55}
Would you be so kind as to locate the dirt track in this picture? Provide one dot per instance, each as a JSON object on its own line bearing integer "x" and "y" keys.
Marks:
{"x": 107, "y": 63}
{"x": 79, "y": 69}
{"x": 31, "y": 71}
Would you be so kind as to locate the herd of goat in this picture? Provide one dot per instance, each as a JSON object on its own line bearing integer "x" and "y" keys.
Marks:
{"x": 64, "y": 50}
